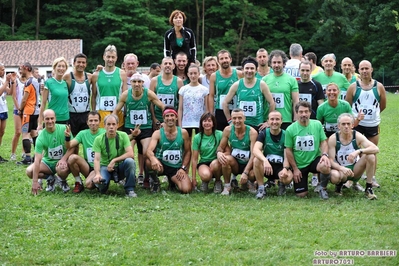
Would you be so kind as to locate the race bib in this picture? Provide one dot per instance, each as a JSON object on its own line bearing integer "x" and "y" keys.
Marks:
{"x": 107, "y": 103}
{"x": 55, "y": 153}
{"x": 240, "y": 154}
{"x": 138, "y": 117}
{"x": 368, "y": 111}
{"x": 343, "y": 95}
{"x": 304, "y": 143}
{"x": 90, "y": 155}
{"x": 172, "y": 156}
{"x": 249, "y": 108}
{"x": 167, "y": 99}
{"x": 272, "y": 158}
{"x": 342, "y": 156}
{"x": 331, "y": 127}
{"x": 231, "y": 103}
{"x": 278, "y": 99}
{"x": 80, "y": 101}
{"x": 305, "y": 97}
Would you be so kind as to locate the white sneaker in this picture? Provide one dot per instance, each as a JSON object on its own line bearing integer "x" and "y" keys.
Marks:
{"x": 226, "y": 191}
{"x": 13, "y": 157}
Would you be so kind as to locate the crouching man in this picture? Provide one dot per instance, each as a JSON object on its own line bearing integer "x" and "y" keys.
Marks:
{"x": 50, "y": 156}
{"x": 344, "y": 149}
{"x": 270, "y": 161}
{"x": 113, "y": 158}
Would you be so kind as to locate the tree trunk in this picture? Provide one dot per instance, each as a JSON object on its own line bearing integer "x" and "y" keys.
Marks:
{"x": 197, "y": 30}
{"x": 238, "y": 47}
{"x": 37, "y": 19}
{"x": 13, "y": 18}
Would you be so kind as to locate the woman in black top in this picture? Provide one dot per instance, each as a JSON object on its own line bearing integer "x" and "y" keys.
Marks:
{"x": 179, "y": 38}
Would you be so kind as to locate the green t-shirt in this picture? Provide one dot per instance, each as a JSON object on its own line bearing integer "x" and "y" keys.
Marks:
{"x": 251, "y": 101}
{"x": 281, "y": 88}
{"x": 138, "y": 111}
{"x": 337, "y": 78}
{"x": 51, "y": 145}
{"x": 304, "y": 141}
{"x": 209, "y": 144}
{"x": 167, "y": 94}
{"x": 328, "y": 115}
{"x": 109, "y": 86}
{"x": 170, "y": 152}
{"x": 58, "y": 98}
{"x": 86, "y": 138}
{"x": 99, "y": 146}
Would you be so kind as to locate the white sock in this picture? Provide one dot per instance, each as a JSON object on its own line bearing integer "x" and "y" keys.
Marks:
{"x": 78, "y": 179}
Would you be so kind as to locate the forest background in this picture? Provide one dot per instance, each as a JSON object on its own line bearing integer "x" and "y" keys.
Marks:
{"x": 366, "y": 29}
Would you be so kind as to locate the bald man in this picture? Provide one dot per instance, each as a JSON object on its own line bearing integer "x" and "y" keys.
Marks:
{"x": 368, "y": 99}
{"x": 347, "y": 69}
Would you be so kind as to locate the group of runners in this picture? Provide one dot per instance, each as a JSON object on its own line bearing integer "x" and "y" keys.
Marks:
{"x": 274, "y": 117}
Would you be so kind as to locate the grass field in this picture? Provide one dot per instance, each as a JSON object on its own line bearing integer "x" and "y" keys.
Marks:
{"x": 197, "y": 229}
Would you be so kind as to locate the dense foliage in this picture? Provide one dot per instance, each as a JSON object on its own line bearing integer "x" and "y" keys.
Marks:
{"x": 359, "y": 29}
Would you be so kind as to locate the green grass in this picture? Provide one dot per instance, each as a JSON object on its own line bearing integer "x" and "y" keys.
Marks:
{"x": 197, "y": 229}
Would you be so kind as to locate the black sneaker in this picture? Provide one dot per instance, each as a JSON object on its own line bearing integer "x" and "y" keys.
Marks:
{"x": 370, "y": 194}
{"x": 2, "y": 160}
{"x": 270, "y": 184}
{"x": 24, "y": 162}
{"x": 234, "y": 184}
{"x": 155, "y": 187}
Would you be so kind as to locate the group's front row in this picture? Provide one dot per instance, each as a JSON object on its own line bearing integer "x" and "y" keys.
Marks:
{"x": 277, "y": 154}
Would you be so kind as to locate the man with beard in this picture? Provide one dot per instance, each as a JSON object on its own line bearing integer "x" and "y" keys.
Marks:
{"x": 181, "y": 63}
{"x": 251, "y": 93}
{"x": 283, "y": 87}
{"x": 169, "y": 153}
{"x": 262, "y": 58}
{"x": 305, "y": 140}
{"x": 219, "y": 87}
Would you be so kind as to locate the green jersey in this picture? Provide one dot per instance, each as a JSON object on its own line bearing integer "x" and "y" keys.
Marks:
{"x": 109, "y": 86}
{"x": 282, "y": 88}
{"x": 207, "y": 145}
{"x": 304, "y": 141}
{"x": 170, "y": 152}
{"x": 337, "y": 78}
{"x": 258, "y": 76}
{"x": 51, "y": 144}
{"x": 138, "y": 111}
{"x": 328, "y": 115}
{"x": 272, "y": 149}
{"x": 222, "y": 87}
{"x": 240, "y": 148}
{"x": 86, "y": 138}
{"x": 251, "y": 101}
{"x": 100, "y": 146}
{"x": 167, "y": 94}
{"x": 58, "y": 98}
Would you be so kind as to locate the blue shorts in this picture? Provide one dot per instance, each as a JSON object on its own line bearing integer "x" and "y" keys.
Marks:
{"x": 4, "y": 116}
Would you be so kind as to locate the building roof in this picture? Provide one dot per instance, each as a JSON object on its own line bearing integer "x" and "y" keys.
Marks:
{"x": 38, "y": 52}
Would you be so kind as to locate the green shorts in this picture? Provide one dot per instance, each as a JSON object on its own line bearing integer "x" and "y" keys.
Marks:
{"x": 50, "y": 165}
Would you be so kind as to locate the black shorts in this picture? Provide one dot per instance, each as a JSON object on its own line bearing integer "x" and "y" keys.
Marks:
{"x": 276, "y": 169}
{"x": 241, "y": 168}
{"x": 221, "y": 121}
{"x": 29, "y": 123}
{"x": 284, "y": 125}
{"x": 190, "y": 130}
{"x": 329, "y": 133}
{"x": 169, "y": 171}
{"x": 302, "y": 186}
{"x": 204, "y": 163}
{"x": 368, "y": 132}
{"x": 145, "y": 134}
{"x": 78, "y": 122}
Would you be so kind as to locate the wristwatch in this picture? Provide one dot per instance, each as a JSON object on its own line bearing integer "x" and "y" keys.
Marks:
{"x": 287, "y": 168}
{"x": 325, "y": 154}
{"x": 184, "y": 168}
